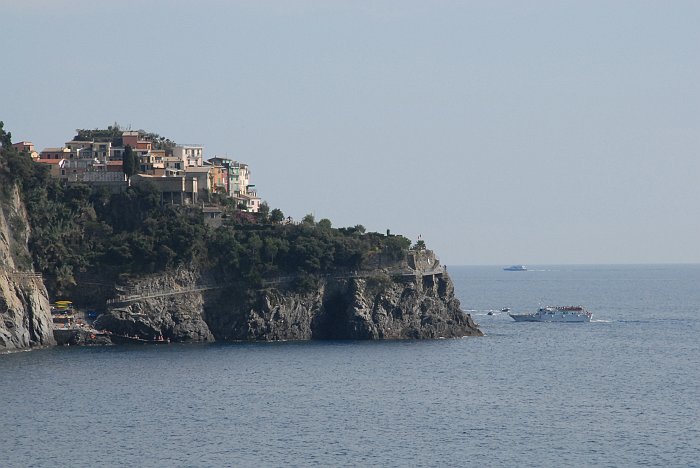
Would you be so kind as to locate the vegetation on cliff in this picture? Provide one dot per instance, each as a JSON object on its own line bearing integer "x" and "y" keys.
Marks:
{"x": 113, "y": 134}
{"x": 77, "y": 229}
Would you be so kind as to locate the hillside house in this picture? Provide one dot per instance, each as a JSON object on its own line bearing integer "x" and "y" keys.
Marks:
{"x": 26, "y": 147}
{"x": 54, "y": 154}
{"x": 190, "y": 155}
{"x": 133, "y": 139}
{"x": 54, "y": 166}
{"x": 204, "y": 180}
{"x": 175, "y": 190}
{"x": 236, "y": 173}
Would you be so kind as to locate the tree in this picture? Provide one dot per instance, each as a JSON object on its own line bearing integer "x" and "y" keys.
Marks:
{"x": 309, "y": 219}
{"x": 130, "y": 161}
{"x": 325, "y": 223}
{"x": 419, "y": 245}
{"x": 276, "y": 216}
{"x": 64, "y": 278}
{"x": 264, "y": 213}
{"x": 14, "y": 166}
{"x": 5, "y": 137}
{"x": 20, "y": 164}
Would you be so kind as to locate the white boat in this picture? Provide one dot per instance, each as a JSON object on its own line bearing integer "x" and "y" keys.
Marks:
{"x": 555, "y": 314}
{"x": 515, "y": 268}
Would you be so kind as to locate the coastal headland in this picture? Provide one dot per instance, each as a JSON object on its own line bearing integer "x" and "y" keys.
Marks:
{"x": 154, "y": 264}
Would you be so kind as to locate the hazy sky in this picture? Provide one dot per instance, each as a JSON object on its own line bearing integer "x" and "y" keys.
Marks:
{"x": 501, "y": 131}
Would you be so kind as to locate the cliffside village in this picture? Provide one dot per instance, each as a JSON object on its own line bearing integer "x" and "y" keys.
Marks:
{"x": 179, "y": 172}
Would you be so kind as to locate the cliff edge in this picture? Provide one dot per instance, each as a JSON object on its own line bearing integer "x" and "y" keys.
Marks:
{"x": 25, "y": 314}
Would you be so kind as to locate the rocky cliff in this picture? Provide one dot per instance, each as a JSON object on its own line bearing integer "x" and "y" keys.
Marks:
{"x": 362, "y": 308}
{"x": 171, "y": 306}
{"x": 373, "y": 305}
{"x": 25, "y": 314}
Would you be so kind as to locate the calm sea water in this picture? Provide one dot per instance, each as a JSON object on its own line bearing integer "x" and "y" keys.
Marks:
{"x": 623, "y": 390}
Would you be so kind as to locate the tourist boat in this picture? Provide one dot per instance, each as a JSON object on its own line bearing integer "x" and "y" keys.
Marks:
{"x": 555, "y": 314}
{"x": 515, "y": 268}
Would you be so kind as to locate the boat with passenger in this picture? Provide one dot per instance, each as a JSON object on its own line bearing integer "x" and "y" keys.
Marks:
{"x": 555, "y": 314}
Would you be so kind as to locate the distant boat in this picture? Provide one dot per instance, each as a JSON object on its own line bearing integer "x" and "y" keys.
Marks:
{"x": 555, "y": 314}
{"x": 505, "y": 309}
{"x": 516, "y": 268}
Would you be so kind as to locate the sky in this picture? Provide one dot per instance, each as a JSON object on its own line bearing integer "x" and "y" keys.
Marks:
{"x": 501, "y": 132}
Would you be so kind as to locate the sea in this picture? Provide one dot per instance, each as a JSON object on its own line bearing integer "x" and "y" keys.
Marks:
{"x": 622, "y": 390}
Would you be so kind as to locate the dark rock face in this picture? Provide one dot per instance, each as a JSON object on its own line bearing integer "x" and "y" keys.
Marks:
{"x": 80, "y": 337}
{"x": 177, "y": 318}
{"x": 407, "y": 307}
{"x": 413, "y": 307}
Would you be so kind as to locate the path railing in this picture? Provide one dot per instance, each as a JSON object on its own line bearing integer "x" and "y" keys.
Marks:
{"x": 22, "y": 274}
{"x": 150, "y": 293}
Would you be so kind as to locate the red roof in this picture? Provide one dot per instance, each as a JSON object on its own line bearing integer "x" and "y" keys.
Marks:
{"x": 50, "y": 161}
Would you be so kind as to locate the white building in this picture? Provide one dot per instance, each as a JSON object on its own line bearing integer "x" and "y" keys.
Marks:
{"x": 251, "y": 200}
{"x": 190, "y": 155}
